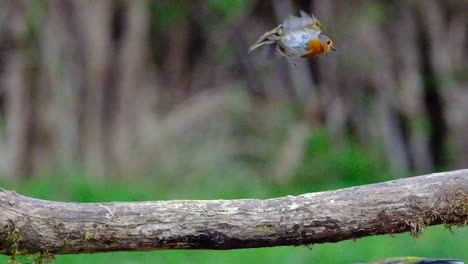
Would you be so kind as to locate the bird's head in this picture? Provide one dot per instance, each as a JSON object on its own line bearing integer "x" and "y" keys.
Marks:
{"x": 327, "y": 43}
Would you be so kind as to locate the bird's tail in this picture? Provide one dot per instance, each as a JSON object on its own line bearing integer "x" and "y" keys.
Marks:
{"x": 269, "y": 38}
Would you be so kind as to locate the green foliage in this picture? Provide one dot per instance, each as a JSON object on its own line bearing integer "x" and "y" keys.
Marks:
{"x": 331, "y": 166}
{"x": 375, "y": 12}
{"x": 168, "y": 12}
{"x": 228, "y": 8}
{"x": 165, "y": 13}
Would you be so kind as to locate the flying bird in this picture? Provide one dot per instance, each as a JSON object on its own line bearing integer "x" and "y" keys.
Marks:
{"x": 297, "y": 37}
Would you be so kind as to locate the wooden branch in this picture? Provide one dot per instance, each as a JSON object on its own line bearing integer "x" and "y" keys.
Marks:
{"x": 30, "y": 225}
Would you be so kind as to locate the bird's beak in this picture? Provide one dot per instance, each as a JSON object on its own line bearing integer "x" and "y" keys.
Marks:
{"x": 333, "y": 48}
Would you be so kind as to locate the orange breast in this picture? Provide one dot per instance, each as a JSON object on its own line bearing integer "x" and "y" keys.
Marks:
{"x": 314, "y": 48}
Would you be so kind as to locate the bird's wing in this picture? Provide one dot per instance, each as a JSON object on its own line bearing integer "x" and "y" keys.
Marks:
{"x": 268, "y": 38}
{"x": 293, "y": 23}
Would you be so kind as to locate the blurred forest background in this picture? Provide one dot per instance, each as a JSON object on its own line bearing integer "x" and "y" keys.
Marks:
{"x": 105, "y": 100}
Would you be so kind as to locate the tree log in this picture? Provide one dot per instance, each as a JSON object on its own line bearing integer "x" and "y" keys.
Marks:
{"x": 29, "y": 225}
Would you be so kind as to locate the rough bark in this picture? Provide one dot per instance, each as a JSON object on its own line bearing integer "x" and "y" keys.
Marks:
{"x": 30, "y": 225}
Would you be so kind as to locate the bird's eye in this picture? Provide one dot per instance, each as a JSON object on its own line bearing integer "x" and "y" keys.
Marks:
{"x": 328, "y": 42}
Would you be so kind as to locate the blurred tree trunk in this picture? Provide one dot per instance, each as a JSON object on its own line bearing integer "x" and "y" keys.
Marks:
{"x": 130, "y": 56}
{"x": 18, "y": 93}
{"x": 333, "y": 102}
{"x": 445, "y": 43}
{"x": 408, "y": 61}
{"x": 178, "y": 53}
{"x": 91, "y": 27}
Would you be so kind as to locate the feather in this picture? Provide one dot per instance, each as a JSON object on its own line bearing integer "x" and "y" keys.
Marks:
{"x": 269, "y": 38}
{"x": 293, "y": 23}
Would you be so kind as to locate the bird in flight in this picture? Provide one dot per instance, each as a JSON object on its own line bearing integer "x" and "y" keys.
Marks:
{"x": 297, "y": 37}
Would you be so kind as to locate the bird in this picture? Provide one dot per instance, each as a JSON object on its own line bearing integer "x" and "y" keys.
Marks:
{"x": 417, "y": 260}
{"x": 297, "y": 37}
